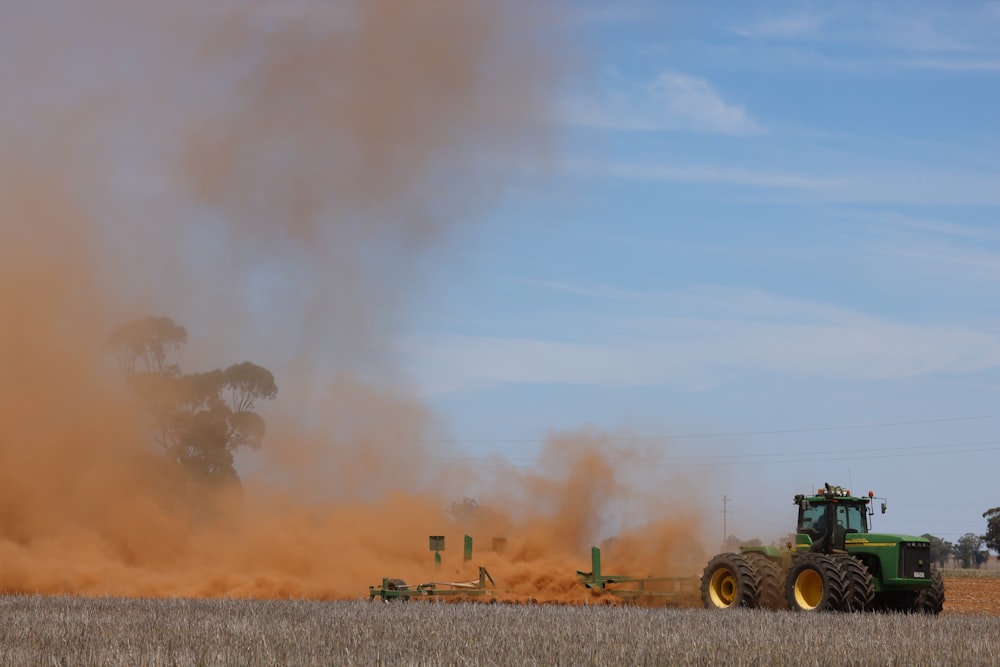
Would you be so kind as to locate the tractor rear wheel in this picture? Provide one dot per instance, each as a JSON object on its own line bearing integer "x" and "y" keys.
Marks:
{"x": 931, "y": 599}
{"x": 859, "y": 591}
{"x": 815, "y": 583}
{"x": 729, "y": 581}
{"x": 770, "y": 593}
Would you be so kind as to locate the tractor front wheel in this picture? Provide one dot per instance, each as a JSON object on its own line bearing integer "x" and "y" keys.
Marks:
{"x": 815, "y": 583}
{"x": 859, "y": 590}
{"x": 729, "y": 581}
{"x": 931, "y": 599}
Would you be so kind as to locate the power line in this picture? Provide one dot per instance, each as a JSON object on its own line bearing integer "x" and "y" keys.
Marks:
{"x": 819, "y": 429}
{"x": 950, "y": 447}
{"x": 872, "y": 452}
{"x": 842, "y": 457}
{"x": 727, "y": 434}
{"x": 754, "y": 458}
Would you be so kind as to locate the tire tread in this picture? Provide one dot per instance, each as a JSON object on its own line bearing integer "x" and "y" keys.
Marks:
{"x": 830, "y": 574}
{"x": 744, "y": 573}
{"x": 769, "y": 591}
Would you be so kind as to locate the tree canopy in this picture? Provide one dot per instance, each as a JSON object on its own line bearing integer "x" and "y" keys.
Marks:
{"x": 992, "y": 536}
{"x": 199, "y": 419}
{"x": 941, "y": 549}
{"x": 969, "y": 549}
{"x": 148, "y": 342}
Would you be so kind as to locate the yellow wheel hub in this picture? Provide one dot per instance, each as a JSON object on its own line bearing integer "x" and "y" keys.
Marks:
{"x": 808, "y": 589}
{"x": 722, "y": 588}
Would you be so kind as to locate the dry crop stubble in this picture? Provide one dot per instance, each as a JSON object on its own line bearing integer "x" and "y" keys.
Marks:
{"x": 116, "y": 631}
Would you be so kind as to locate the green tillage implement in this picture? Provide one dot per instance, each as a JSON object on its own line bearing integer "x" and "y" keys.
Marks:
{"x": 668, "y": 589}
{"x": 397, "y": 589}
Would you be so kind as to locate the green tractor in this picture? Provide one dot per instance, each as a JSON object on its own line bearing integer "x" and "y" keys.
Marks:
{"x": 836, "y": 564}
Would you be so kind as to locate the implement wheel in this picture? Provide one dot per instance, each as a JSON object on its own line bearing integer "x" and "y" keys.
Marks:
{"x": 815, "y": 583}
{"x": 397, "y": 585}
{"x": 729, "y": 581}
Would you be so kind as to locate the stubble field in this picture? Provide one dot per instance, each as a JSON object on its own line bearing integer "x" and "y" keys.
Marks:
{"x": 115, "y": 631}
{"x": 970, "y": 592}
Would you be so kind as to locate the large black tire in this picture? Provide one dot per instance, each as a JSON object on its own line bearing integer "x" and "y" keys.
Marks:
{"x": 931, "y": 599}
{"x": 859, "y": 591}
{"x": 928, "y": 600}
{"x": 729, "y": 581}
{"x": 815, "y": 583}
{"x": 770, "y": 582}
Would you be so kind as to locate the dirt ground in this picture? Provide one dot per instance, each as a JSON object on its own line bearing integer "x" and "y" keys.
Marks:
{"x": 972, "y": 595}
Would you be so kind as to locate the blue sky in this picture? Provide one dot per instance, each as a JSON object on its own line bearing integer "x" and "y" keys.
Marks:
{"x": 767, "y": 242}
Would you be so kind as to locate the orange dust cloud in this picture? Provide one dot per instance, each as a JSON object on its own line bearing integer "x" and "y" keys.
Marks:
{"x": 272, "y": 175}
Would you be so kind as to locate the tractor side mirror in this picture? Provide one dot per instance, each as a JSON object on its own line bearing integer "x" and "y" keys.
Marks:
{"x": 883, "y": 508}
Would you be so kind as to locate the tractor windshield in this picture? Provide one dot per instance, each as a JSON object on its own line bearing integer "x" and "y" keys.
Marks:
{"x": 852, "y": 517}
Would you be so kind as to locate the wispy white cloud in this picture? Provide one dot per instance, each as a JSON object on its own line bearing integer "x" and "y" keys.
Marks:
{"x": 882, "y": 183}
{"x": 939, "y": 227}
{"x": 794, "y": 25}
{"x": 955, "y": 261}
{"x": 588, "y": 291}
{"x": 691, "y": 102}
{"x": 942, "y": 249}
{"x": 890, "y": 35}
{"x": 918, "y": 185}
{"x": 672, "y": 101}
{"x": 923, "y": 30}
{"x": 956, "y": 64}
{"x": 730, "y": 331}
{"x": 702, "y": 174}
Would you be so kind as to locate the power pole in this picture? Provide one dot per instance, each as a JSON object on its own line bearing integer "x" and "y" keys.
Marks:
{"x": 725, "y": 512}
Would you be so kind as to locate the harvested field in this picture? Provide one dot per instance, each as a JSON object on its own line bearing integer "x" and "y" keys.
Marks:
{"x": 107, "y": 631}
{"x": 971, "y": 594}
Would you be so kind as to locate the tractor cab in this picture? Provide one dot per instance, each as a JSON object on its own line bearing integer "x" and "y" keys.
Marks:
{"x": 826, "y": 519}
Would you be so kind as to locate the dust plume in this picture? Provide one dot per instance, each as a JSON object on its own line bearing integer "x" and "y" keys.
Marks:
{"x": 589, "y": 488}
{"x": 272, "y": 175}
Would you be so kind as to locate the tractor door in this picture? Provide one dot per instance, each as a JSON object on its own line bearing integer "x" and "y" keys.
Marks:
{"x": 818, "y": 520}
{"x": 812, "y": 519}
{"x": 852, "y": 517}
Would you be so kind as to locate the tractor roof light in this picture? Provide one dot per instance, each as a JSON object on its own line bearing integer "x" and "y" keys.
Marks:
{"x": 871, "y": 494}
{"x": 830, "y": 490}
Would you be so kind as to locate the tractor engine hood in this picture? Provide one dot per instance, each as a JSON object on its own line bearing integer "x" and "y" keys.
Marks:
{"x": 883, "y": 539}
